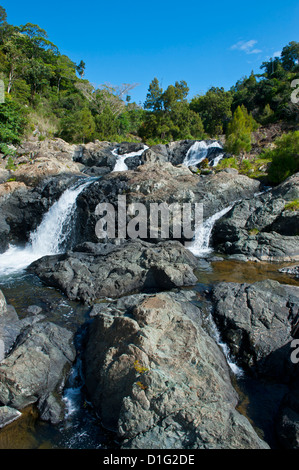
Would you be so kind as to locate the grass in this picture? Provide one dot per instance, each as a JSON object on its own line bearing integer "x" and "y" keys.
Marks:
{"x": 292, "y": 206}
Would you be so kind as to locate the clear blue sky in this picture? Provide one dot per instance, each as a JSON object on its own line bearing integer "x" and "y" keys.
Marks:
{"x": 211, "y": 43}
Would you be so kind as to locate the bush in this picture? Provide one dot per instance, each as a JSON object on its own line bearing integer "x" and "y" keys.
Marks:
{"x": 284, "y": 158}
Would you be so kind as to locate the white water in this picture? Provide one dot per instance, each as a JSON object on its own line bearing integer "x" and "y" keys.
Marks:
{"x": 120, "y": 162}
{"x": 217, "y": 159}
{"x": 200, "y": 245}
{"x": 217, "y": 337}
{"x": 199, "y": 151}
{"x": 49, "y": 237}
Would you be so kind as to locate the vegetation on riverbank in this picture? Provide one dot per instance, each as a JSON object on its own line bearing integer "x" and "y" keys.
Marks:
{"x": 47, "y": 96}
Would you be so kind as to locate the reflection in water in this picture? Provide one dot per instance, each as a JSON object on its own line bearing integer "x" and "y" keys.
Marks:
{"x": 242, "y": 272}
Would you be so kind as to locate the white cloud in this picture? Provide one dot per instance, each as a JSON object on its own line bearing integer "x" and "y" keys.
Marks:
{"x": 246, "y": 46}
{"x": 277, "y": 54}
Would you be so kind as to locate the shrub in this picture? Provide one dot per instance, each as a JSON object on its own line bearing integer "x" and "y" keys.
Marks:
{"x": 284, "y": 158}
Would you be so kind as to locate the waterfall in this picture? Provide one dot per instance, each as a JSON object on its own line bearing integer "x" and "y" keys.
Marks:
{"x": 120, "y": 162}
{"x": 50, "y": 236}
{"x": 214, "y": 332}
{"x": 199, "y": 151}
{"x": 200, "y": 244}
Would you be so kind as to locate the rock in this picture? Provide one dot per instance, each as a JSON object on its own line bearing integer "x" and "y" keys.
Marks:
{"x": 256, "y": 321}
{"x": 158, "y": 379}
{"x": 97, "y": 171}
{"x": 40, "y": 159}
{"x": 288, "y": 419}
{"x": 260, "y": 228}
{"x": 36, "y": 367}
{"x": 98, "y": 154}
{"x": 160, "y": 183}
{"x": 8, "y": 415}
{"x": 10, "y": 326}
{"x": 129, "y": 147}
{"x": 292, "y": 270}
{"x": 10, "y": 186}
{"x": 95, "y": 271}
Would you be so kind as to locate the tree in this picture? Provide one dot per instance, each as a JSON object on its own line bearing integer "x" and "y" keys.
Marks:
{"x": 238, "y": 137}
{"x": 214, "y": 108}
{"x": 12, "y": 121}
{"x": 81, "y": 68}
{"x": 290, "y": 56}
{"x": 153, "y": 100}
{"x": 64, "y": 69}
{"x": 78, "y": 127}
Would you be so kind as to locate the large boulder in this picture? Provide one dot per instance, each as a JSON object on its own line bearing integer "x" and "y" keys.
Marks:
{"x": 98, "y": 154}
{"x": 256, "y": 321}
{"x": 36, "y": 368}
{"x": 159, "y": 380}
{"x": 94, "y": 271}
{"x": 262, "y": 228}
{"x": 156, "y": 182}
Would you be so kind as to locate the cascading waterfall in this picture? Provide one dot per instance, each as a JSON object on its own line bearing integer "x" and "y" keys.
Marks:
{"x": 120, "y": 164}
{"x": 199, "y": 151}
{"x": 200, "y": 245}
{"x": 50, "y": 236}
{"x": 213, "y": 330}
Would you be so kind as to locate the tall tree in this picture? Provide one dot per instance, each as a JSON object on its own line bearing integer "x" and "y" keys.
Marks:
{"x": 153, "y": 100}
{"x": 81, "y": 68}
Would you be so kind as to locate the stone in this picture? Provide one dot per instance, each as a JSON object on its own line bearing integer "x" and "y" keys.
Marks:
{"x": 95, "y": 271}
{"x": 159, "y": 380}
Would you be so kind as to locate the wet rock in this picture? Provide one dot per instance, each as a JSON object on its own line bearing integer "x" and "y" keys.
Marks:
{"x": 37, "y": 366}
{"x": 8, "y": 415}
{"x": 257, "y": 321}
{"x": 288, "y": 420}
{"x": 94, "y": 271}
{"x": 292, "y": 270}
{"x": 158, "y": 380}
{"x": 261, "y": 228}
{"x": 10, "y": 326}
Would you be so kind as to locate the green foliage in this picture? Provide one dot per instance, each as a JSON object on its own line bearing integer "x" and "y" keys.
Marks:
{"x": 214, "y": 108}
{"x": 78, "y": 127}
{"x": 239, "y": 132}
{"x": 284, "y": 158}
{"x": 12, "y": 121}
{"x": 292, "y": 206}
{"x": 10, "y": 165}
{"x": 46, "y": 91}
{"x": 227, "y": 163}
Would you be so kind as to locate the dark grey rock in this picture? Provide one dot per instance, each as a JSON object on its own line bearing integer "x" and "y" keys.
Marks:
{"x": 107, "y": 270}
{"x": 256, "y": 321}
{"x": 158, "y": 380}
{"x": 37, "y": 366}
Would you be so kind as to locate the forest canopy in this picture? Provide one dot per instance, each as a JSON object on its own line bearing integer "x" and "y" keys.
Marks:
{"x": 47, "y": 94}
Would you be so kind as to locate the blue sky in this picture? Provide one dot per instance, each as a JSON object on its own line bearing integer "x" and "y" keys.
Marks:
{"x": 204, "y": 43}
